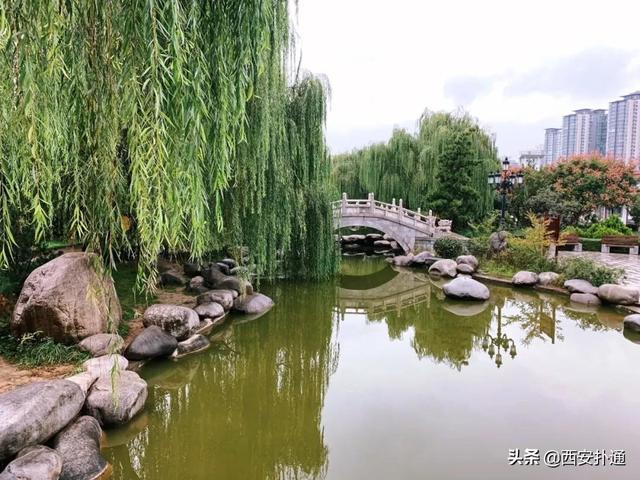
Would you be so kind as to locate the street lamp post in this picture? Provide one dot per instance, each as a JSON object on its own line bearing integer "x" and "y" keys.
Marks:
{"x": 504, "y": 181}
{"x": 495, "y": 345}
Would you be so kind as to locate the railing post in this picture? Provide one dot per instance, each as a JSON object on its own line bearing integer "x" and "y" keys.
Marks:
{"x": 400, "y": 208}
{"x": 344, "y": 200}
{"x": 372, "y": 203}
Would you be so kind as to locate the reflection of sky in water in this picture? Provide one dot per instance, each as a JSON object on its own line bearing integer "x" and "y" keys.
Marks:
{"x": 336, "y": 383}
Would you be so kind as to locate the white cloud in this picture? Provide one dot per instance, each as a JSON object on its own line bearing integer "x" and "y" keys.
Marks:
{"x": 504, "y": 61}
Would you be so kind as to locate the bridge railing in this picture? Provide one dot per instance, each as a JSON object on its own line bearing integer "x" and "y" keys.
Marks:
{"x": 376, "y": 208}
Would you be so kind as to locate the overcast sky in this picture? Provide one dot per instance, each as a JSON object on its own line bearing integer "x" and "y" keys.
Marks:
{"x": 517, "y": 66}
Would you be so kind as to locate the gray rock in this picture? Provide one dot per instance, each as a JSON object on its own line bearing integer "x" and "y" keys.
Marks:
{"x": 548, "y": 278}
{"x": 373, "y": 237}
{"x": 102, "y": 344}
{"x": 580, "y": 286}
{"x": 632, "y": 322}
{"x": 423, "y": 258}
{"x": 465, "y": 268}
{"x": 618, "y": 294}
{"x": 224, "y": 268}
{"x": 84, "y": 380}
{"x": 116, "y": 406}
{"x": 196, "y": 343}
{"x": 105, "y": 364}
{"x": 209, "y": 310}
{"x": 151, "y": 342}
{"x": 79, "y": 447}
{"x": 175, "y": 320}
{"x": 498, "y": 241}
{"x": 34, "y": 463}
{"x": 466, "y": 288}
{"x": 215, "y": 279}
{"x": 67, "y": 299}
{"x": 252, "y": 304}
{"x": 524, "y": 279}
{"x": 444, "y": 268}
{"x": 173, "y": 277}
{"x": 191, "y": 269}
{"x": 468, "y": 260}
{"x": 196, "y": 285}
{"x": 229, "y": 262}
{"x": 222, "y": 297}
{"x": 585, "y": 298}
{"x": 33, "y": 413}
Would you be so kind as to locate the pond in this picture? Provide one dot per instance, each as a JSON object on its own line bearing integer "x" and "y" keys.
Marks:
{"x": 377, "y": 376}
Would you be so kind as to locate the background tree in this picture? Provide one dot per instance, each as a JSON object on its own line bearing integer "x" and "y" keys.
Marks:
{"x": 408, "y": 166}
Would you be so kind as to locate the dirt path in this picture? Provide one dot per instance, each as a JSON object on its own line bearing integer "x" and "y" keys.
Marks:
{"x": 12, "y": 375}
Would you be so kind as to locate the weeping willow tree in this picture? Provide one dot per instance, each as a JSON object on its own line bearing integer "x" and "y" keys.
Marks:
{"x": 170, "y": 125}
{"x": 410, "y": 165}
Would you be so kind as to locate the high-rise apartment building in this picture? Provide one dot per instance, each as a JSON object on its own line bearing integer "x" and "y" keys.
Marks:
{"x": 623, "y": 131}
{"x": 584, "y": 131}
{"x": 552, "y": 145}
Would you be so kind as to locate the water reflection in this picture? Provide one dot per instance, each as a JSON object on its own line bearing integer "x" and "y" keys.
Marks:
{"x": 254, "y": 406}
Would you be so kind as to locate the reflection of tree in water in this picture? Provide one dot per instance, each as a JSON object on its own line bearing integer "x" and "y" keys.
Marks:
{"x": 440, "y": 334}
{"x": 534, "y": 314}
{"x": 252, "y": 408}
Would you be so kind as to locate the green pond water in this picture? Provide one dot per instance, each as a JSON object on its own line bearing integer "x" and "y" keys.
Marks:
{"x": 378, "y": 376}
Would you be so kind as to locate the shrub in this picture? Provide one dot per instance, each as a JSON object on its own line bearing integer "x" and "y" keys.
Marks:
{"x": 586, "y": 269}
{"x": 610, "y": 226}
{"x": 480, "y": 232}
{"x": 448, "y": 247}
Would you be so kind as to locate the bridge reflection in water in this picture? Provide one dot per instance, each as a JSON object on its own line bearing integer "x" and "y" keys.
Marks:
{"x": 450, "y": 331}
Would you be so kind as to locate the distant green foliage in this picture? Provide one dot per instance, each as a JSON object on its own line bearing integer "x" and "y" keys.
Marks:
{"x": 443, "y": 167}
{"x": 586, "y": 269}
{"x": 612, "y": 225}
{"x": 31, "y": 350}
{"x": 479, "y": 233}
{"x": 449, "y": 247}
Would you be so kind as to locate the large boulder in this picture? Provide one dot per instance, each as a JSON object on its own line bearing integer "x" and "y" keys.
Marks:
{"x": 444, "y": 268}
{"x": 33, "y": 413}
{"x": 585, "y": 298}
{"x": 524, "y": 279}
{"x": 115, "y": 406}
{"x": 105, "y": 364}
{"x": 223, "y": 297}
{"x": 215, "y": 279}
{"x": 224, "y": 268}
{"x": 209, "y": 310}
{"x": 548, "y": 278}
{"x": 151, "y": 342}
{"x": 355, "y": 238}
{"x": 632, "y": 322}
{"x": 466, "y": 288}
{"x": 67, "y": 299}
{"x": 84, "y": 380}
{"x": 577, "y": 285}
{"x": 252, "y": 304}
{"x": 175, "y": 320}
{"x": 34, "y": 463}
{"x": 102, "y": 344}
{"x": 468, "y": 260}
{"x": 195, "y": 343}
{"x": 498, "y": 241}
{"x": 79, "y": 447}
{"x": 382, "y": 244}
{"x": 618, "y": 294}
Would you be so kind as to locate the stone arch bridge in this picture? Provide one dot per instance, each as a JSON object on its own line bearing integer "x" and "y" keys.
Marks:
{"x": 412, "y": 230}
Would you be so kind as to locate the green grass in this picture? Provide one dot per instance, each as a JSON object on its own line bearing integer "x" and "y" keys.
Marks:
{"x": 497, "y": 269}
{"x": 32, "y": 351}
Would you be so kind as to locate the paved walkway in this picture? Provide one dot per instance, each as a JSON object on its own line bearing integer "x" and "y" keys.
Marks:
{"x": 629, "y": 263}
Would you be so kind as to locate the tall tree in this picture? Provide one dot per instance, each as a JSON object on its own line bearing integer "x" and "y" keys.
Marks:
{"x": 131, "y": 126}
